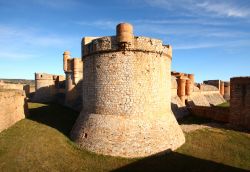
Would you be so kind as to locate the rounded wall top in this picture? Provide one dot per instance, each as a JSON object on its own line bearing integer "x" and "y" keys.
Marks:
{"x": 124, "y": 27}
{"x": 66, "y": 53}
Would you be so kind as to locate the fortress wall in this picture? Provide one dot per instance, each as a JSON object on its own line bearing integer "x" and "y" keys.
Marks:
{"x": 216, "y": 113}
{"x": 227, "y": 91}
{"x": 190, "y": 94}
{"x": 214, "y": 98}
{"x": 198, "y": 99}
{"x": 215, "y": 83}
{"x": 240, "y": 101}
{"x": 222, "y": 88}
{"x": 218, "y": 84}
{"x": 47, "y": 86}
{"x": 73, "y": 97}
{"x": 173, "y": 86}
{"x": 131, "y": 84}
{"x": 212, "y": 94}
{"x": 13, "y": 107}
{"x": 73, "y": 68}
{"x": 181, "y": 90}
{"x": 11, "y": 86}
{"x": 27, "y": 88}
{"x": 126, "y": 98}
{"x": 179, "y": 109}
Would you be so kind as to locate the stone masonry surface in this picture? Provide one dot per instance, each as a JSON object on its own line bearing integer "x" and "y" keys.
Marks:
{"x": 240, "y": 101}
{"x": 126, "y": 98}
{"x": 13, "y": 107}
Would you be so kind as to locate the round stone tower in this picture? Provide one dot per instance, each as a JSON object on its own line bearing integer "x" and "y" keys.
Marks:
{"x": 126, "y": 97}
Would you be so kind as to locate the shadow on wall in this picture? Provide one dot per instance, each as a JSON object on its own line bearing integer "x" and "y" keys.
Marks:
{"x": 190, "y": 120}
{"x": 45, "y": 94}
{"x": 176, "y": 162}
{"x": 73, "y": 98}
{"x": 55, "y": 116}
{"x": 26, "y": 108}
{"x": 179, "y": 112}
{"x": 50, "y": 93}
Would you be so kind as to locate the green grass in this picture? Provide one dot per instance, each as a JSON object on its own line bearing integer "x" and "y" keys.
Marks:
{"x": 41, "y": 143}
{"x": 225, "y": 104}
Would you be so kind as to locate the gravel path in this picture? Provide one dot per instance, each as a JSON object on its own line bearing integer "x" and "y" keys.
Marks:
{"x": 192, "y": 127}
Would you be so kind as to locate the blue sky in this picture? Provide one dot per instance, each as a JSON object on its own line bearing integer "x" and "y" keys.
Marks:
{"x": 210, "y": 38}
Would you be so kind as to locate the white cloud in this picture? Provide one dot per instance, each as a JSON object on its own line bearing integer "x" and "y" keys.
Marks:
{"x": 219, "y": 8}
{"x": 186, "y": 28}
{"x": 224, "y": 9}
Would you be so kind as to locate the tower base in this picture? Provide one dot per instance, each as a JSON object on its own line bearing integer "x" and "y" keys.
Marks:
{"x": 127, "y": 136}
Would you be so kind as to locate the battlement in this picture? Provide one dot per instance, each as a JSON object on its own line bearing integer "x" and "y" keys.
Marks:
{"x": 124, "y": 40}
{"x": 45, "y": 76}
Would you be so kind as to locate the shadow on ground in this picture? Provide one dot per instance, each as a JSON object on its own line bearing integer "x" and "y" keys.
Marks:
{"x": 176, "y": 162}
{"x": 191, "y": 119}
{"x": 55, "y": 116}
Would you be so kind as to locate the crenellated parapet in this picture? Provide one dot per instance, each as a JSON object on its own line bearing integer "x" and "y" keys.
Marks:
{"x": 47, "y": 80}
{"x": 124, "y": 41}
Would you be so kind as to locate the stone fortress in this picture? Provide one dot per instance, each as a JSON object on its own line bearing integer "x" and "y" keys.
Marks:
{"x": 67, "y": 90}
{"x": 128, "y": 97}
{"x": 186, "y": 93}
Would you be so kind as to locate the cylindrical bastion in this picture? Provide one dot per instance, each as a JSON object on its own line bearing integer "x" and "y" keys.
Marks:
{"x": 126, "y": 97}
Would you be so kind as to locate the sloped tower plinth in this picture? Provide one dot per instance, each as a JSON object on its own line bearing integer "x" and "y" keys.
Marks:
{"x": 126, "y": 96}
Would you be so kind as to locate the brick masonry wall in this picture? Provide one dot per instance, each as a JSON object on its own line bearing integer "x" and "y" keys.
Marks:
{"x": 13, "y": 107}
{"x": 216, "y": 113}
{"x": 240, "y": 101}
{"x": 126, "y": 100}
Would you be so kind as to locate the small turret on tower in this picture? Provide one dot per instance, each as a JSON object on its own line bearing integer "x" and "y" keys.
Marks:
{"x": 124, "y": 34}
{"x": 66, "y": 56}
